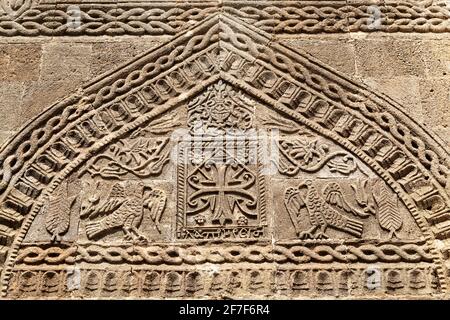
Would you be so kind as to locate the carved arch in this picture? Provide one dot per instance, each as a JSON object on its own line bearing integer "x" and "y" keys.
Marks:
{"x": 374, "y": 128}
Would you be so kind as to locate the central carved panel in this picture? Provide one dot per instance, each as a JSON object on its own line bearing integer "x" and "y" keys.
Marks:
{"x": 221, "y": 194}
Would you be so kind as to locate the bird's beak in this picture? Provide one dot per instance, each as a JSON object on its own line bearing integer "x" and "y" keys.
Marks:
{"x": 87, "y": 210}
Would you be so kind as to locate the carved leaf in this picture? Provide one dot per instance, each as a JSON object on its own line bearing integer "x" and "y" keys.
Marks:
{"x": 142, "y": 158}
{"x": 57, "y": 211}
{"x": 293, "y": 203}
{"x": 388, "y": 212}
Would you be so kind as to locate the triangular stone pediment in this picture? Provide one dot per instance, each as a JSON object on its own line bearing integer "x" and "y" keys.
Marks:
{"x": 224, "y": 147}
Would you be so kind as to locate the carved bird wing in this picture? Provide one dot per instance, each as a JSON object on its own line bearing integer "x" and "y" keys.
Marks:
{"x": 117, "y": 191}
{"x": 155, "y": 201}
{"x": 108, "y": 206}
{"x": 333, "y": 196}
{"x": 342, "y": 222}
{"x": 115, "y": 199}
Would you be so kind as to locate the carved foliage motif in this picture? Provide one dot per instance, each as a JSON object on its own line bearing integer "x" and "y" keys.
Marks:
{"x": 141, "y": 157}
{"x": 388, "y": 214}
{"x": 219, "y": 110}
{"x": 310, "y": 156}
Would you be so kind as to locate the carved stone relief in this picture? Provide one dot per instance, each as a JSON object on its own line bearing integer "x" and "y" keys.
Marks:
{"x": 100, "y": 17}
{"x": 223, "y": 165}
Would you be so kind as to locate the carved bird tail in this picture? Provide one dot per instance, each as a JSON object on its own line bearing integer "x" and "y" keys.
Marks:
{"x": 94, "y": 229}
{"x": 353, "y": 227}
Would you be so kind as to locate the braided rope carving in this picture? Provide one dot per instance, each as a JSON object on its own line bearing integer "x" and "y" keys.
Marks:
{"x": 368, "y": 253}
{"x": 327, "y": 19}
{"x": 146, "y": 20}
{"x": 334, "y": 91}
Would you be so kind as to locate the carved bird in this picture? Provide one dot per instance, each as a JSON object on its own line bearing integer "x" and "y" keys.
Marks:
{"x": 322, "y": 213}
{"x": 123, "y": 209}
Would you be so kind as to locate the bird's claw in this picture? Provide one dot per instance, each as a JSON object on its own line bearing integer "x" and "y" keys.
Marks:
{"x": 142, "y": 239}
{"x": 305, "y": 235}
{"x": 321, "y": 235}
{"x": 128, "y": 237}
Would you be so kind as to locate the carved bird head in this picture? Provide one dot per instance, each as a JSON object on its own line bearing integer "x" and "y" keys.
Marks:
{"x": 90, "y": 197}
{"x": 305, "y": 184}
{"x": 88, "y": 207}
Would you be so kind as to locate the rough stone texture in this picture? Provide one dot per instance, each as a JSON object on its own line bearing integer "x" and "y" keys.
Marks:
{"x": 354, "y": 202}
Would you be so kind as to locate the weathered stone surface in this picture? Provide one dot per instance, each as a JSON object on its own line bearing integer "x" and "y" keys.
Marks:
{"x": 20, "y": 62}
{"x": 109, "y": 54}
{"x": 226, "y": 149}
